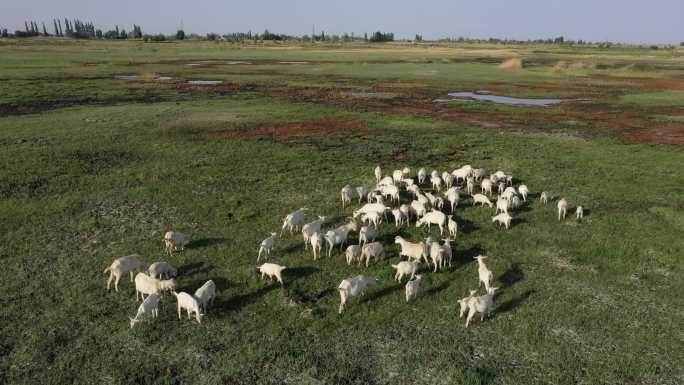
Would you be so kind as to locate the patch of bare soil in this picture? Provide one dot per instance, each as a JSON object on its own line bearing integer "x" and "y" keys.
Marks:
{"x": 659, "y": 135}
{"x": 285, "y": 132}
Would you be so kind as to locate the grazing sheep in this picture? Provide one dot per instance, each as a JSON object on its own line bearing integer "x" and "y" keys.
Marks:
{"x": 372, "y": 250}
{"x": 422, "y": 174}
{"x": 386, "y": 181}
{"x": 436, "y": 182}
{"x": 453, "y": 196}
{"x": 452, "y": 226}
{"x": 562, "y": 208}
{"x": 161, "y": 270}
{"x": 190, "y": 304}
{"x": 267, "y": 244}
{"x": 413, "y": 251}
{"x": 422, "y": 198}
{"x": 398, "y": 217}
{"x": 503, "y": 219}
{"x": 482, "y": 304}
{"x": 545, "y": 197}
{"x": 121, "y": 266}
{"x": 482, "y": 199}
{"x": 412, "y": 288}
{"x": 502, "y": 188}
{"x": 460, "y": 174}
{"x": 271, "y": 270}
{"x": 294, "y": 220}
{"x": 366, "y": 234}
{"x": 205, "y": 295}
{"x": 353, "y": 287}
{"x": 436, "y": 255}
{"x": 310, "y": 229}
{"x": 346, "y": 195}
{"x": 414, "y": 190}
{"x": 406, "y": 213}
{"x": 447, "y": 251}
{"x": 432, "y": 200}
{"x": 408, "y": 182}
{"x": 378, "y": 174}
{"x": 370, "y": 207}
{"x": 502, "y": 205}
{"x": 433, "y": 218}
{"x": 397, "y": 176}
{"x": 418, "y": 208}
{"x": 486, "y": 186}
{"x": 485, "y": 275}
{"x": 464, "y": 302}
{"x": 405, "y": 268}
{"x": 339, "y": 235}
{"x": 362, "y": 192}
{"x": 470, "y": 185}
{"x": 371, "y": 218}
{"x": 317, "y": 242}
{"x": 146, "y": 285}
{"x": 523, "y": 190}
{"x": 479, "y": 173}
{"x": 406, "y": 172}
{"x": 515, "y": 202}
{"x": 148, "y": 309}
{"x": 494, "y": 178}
{"x": 579, "y": 212}
{"x": 391, "y": 192}
{"x": 353, "y": 253}
{"x": 448, "y": 180}
{"x": 173, "y": 240}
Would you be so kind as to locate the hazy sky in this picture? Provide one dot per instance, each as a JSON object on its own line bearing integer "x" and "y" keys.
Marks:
{"x": 633, "y": 21}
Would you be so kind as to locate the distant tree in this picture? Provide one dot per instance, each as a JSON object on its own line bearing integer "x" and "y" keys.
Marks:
{"x": 55, "y": 25}
{"x": 137, "y": 32}
{"x": 98, "y": 34}
{"x": 681, "y": 44}
{"x": 59, "y": 24}
{"x": 123, "y": 35}
{"x": 378, "y": 37}
{"x": 212, "y": 36}
{"x": 45, "y": 30}
{"x": 180, "y": 35}
{"x": 4, "y": 33}
{"x": 419, "y": 38}
{"x": 365, "y": 36}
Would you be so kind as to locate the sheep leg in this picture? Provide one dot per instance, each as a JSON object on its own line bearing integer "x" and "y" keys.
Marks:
{"x": 109, "y": 281}
{"x": 179, "y": 312}
{"x": 471, "y": 313}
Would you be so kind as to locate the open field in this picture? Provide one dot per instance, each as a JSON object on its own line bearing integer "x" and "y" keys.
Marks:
{"x": 94, "y": 168}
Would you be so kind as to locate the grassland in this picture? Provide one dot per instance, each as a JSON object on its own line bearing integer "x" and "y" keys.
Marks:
{"x": 94, "y": 168}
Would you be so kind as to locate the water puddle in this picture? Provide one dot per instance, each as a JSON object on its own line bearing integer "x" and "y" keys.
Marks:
{"x": 126, "y": 77}
{"x": 293, "y": 62}
{"x": 237, "y": 62}
{"x": 500, "y": 99}
{"x": 163, "y": 78}
{"x": 205, "y": 82}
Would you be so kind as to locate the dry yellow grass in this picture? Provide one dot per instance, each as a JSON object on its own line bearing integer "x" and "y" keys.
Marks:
{"x": 512, "y": 64}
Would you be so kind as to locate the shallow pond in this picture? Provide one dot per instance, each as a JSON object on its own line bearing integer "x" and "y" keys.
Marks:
{"x": 501, "y": 99}
{"x": 205, "y": 82}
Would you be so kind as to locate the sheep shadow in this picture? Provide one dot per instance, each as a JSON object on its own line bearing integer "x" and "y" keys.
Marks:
{"x": 220, "y": 282}
{"x": 193, "y": 268}
{"x": 235, "y": 303}
{"x": 511, "y": 276}
{"x": 437, "y": 289}
{"x": 383, "y": 292}
{"x": 585, "y": 212}
{"x": 205, "y": 242}
{"x": 466, "y": 226}
{"x": 296, "y": 273}
{"x": 464, "y": 257}
{"x": 513, "y": 303}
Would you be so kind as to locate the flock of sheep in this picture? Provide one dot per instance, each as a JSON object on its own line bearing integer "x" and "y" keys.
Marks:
{"x": 426, "y": 209}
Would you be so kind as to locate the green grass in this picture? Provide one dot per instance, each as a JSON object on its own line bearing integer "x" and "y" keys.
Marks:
{"x": 594, "y": 302}
{"x": 651, "y": 99}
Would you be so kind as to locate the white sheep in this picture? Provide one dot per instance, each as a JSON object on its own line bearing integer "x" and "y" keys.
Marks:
{"x": 346, "y": 195}
{"x": 460, "y": 174}
{"x": 405, "y": 268}
{"x": 502, "y": 188}
{"x": 470, "y": 185}
{"x": 448, "y": 179}
{"x": 436, "y": 182}
{"x": 173, "y": 240}
{"x": 479, "y": 173}
{"x": 378, "y": 174}
{"x": 447, "y": 251}
{"x": 422, "y": 174}
{"x": 413, "y": 251}
{"x": 418, "y": 208}
{"x": 436, "y": 255}
{"x": 544, "y": 197}
{"x": 453, "y": 196}
{"x": 353, "y": 287}
{"x": 433, "y": 218}
{"x": 391, "y": 192}
{"x": 272, "y": 270}
{"x": 408, "y": 182}
{"x": 398, "y": 217}
{"x": 339, "y": 235}
{"x": 267, "y": 244}
{"x": 386, "y": 181}
{"x": 484, "y": 274}
{"x": 452, "y": 226}
{"x": 414, "y": 190}
{"x": 482, "y": 304}
{"x": 121, "y": 266}
{"x": 482, "y": 199}
{"x": 439, "y": 203}
{"x": 523, "y": 190}
{"x": 503, "y": 219}
{"x": 362, "y": 192}
{"x": 311, "y": 228}
{"x": 353, "y": 253}
{"x": 422, "y": 198}
{"x": 146, "y": 285}
{"x": 465, "y": 302}
{"x": 317, "y": 242}
{"x": 366, "y": 234}
{"x": 148, "y": 309}
{"x": 502, "y": 205}
{"x": 294, "y": 220}
{"x": 579, "y": 212}
{"x": 397, "y": 176}
{"x": 370, "y": 207}
{"x": 162, "y": 270}
{"x": 372, "y": 250}
{"x": 406, "y": 213}
{"x": 412, "y": 288}
{"x": 406, "y": 172}
{"x": 515, "y": 202}
{"x": 190, "y": 304}
{"x": 486, "y": 186}
{"x": 205, "y": 294}
{"x": 562, "y": 208}
{"x": 371, "y": 218}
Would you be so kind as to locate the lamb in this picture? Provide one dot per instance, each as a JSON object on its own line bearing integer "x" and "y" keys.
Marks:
{"x": 562, "y": 208}
{"x": 173, "y": 240}
{"x": 353, "y": 287}
{"x": 465, "y": 302}
{"x": 486, "y": 186}
{"x": 398, "y": 217}
{"x": 405, "y": 268}
{"x": 579, "y": 212}
{"x": 482, "y": 304}
{"x": 413, "y": 251}
{"x": 436, "y": 182}
{"x": 205, "y": 294}
{"x": 433, "y": 218}
{"x": 294, "y": 220}
{"x": 522, "y": 189}
{"x": 362, "y": 192}
{"x": 365, "y": 234}
{"x": 271, "y": 270}
{"x": 406, "y": 213}
{"x": 502, "y": 205}
{"x": 479, "y": 198}
{"x": 397, "y": 176}
{"x": 310, "y": 229}
{"x": 422, "y": 174}
{"x": 149, "y": 308}
{"x": 146, "y": 285}
{"x": 452, "y": 226}
{"x": 503, "y": 219}
{"x": 372, "y": 250}
{"x": 317, "y": 242}
{"x": 447, "y": 251}
{"x": 346, "y": 195}
{"x": 470, "y": 185}
{"x": 121, "y": 266}
{"x": 353, "y": 253}
{"x": 161, "y": 270}
{"x": 412, "y": 288}
{"x": 190, "y": 304}
{"x": 378, "y": 174}
{"x": 485, "y": 275}
{"x": 268, "y": 243}
{"x": 339, "y": 235}
{"x": 544, "y": 197}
